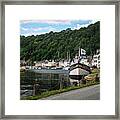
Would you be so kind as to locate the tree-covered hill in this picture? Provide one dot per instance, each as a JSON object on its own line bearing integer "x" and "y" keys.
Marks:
{"x": 57, "y": 44}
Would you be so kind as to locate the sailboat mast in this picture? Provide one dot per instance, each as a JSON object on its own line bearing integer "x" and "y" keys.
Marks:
{"x": 58, "y": 54}
{"x": 67, "y": 56}
{"x": 79, "y": 52}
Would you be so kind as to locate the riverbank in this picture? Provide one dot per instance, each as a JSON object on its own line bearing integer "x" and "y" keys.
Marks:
{"x": 53, "y": 92}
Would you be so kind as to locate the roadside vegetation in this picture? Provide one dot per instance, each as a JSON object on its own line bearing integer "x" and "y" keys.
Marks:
{"x": 95, "y": 75}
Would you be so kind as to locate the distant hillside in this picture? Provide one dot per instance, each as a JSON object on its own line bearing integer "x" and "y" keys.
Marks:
{"x": 55, "y": 45}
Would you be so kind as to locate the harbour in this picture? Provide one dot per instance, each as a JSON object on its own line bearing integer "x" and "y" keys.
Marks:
{"x": 57, "y": 62}
{"x": 54, "y": 75}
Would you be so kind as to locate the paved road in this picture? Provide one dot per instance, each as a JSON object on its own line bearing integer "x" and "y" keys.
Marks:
{"x": 87, "y": 93}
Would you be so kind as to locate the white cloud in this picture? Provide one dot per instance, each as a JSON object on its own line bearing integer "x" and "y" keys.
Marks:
{"x": 33, "y": 33}
{"x": 42, "y": 30}
{"x": 33, "y": 29}
{"x": 37, "y": 31}
{"x": 24, "y": 29}
{"x": 49, "y": 28}
{"x": 78, "y": 26}
{"x": 94, "y": 21}
{"x": 46, "y": 21}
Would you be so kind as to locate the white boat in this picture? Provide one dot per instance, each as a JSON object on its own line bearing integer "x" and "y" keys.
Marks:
{"x": 78, "y": 70}
{"x": 56, "y": 68}
{"x": 39, "y": 68}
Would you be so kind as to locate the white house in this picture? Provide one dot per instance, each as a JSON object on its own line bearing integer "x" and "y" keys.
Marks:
{"x": 38, "y": 64}
{"x": 49, "y": 64}
{"x": 96, "y": 60}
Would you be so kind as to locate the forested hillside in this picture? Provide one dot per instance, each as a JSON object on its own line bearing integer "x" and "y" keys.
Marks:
{"x": 55, "y": 45}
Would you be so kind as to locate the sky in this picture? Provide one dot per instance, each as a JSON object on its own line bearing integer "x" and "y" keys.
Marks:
{"x": 37, "y": 27}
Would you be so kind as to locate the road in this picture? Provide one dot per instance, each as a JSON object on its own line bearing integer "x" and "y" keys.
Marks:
{"x": 87, "y": 93}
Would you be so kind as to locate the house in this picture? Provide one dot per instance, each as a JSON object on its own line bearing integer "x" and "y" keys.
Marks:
{"x": 38, "y": 64}
{"x": 96, "y": 60}
{"x": 22, "y": 63}
{"x": 49, "y": 64}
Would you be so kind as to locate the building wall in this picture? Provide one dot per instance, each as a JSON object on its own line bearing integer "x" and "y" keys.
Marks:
{"x": 96, "y": 61}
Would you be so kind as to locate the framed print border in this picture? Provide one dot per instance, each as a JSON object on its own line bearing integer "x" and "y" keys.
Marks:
{"x": 2, "y": 56}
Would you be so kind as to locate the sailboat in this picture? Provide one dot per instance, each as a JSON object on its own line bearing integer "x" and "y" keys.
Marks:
{"x": 67, "y": 65}
{"x": 78, "y": 70}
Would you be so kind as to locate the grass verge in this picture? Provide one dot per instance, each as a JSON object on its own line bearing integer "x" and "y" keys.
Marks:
{"x": 53, "y": 92}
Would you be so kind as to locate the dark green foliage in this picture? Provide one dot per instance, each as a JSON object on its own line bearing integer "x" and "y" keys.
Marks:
{"x": 55, "y": 45}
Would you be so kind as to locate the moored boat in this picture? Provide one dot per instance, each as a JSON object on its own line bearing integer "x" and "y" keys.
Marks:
{"x": 78, "y": 70}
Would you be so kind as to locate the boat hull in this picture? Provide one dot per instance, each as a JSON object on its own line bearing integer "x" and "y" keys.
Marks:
{"x": 75, "y": 77}
{"x": 77, "y": 71}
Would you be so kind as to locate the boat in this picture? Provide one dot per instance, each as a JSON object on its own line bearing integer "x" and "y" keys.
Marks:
{"x": 59, "y": 68}
{"x": 78, "y": 70}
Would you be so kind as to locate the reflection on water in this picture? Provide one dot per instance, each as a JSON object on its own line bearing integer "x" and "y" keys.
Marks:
{"x": 32, "y": 83}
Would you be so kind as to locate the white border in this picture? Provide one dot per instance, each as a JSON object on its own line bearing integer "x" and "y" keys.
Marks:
{"x": 13, "y": 104}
